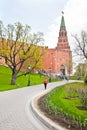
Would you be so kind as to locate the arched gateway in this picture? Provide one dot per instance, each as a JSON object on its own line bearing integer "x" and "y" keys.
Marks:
{"x": 62, "y": 70}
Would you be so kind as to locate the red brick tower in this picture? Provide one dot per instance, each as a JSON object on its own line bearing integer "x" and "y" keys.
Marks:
{"x": 59, "y": 60}
{"x": 64, "y": 54}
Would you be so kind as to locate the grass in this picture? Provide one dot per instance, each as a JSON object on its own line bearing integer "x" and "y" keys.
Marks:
{"x": 57, "y": 102}
{"x": 76, "y": 78}
{"x": 5, "y": 79}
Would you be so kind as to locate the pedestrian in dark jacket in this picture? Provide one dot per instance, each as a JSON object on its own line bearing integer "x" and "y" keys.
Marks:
{"x": 45, "y": 83}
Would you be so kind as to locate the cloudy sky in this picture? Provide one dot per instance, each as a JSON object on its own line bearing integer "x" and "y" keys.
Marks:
{"x": 45, "y": 16}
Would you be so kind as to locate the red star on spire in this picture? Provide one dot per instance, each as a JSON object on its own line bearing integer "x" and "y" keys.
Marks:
{"x": 62, "y": 12}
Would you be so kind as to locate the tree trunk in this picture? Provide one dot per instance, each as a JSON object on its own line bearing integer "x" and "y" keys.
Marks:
{"x": 14, "y": 77}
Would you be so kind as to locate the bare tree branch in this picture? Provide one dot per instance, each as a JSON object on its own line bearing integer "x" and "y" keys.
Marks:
{"x": 81, "y": 45}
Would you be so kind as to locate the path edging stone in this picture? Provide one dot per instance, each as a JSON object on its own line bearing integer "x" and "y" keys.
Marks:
{"x": 40, "y": 115}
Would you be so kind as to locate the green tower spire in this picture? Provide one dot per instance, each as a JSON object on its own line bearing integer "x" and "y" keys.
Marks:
{"x": 62, "y": 26}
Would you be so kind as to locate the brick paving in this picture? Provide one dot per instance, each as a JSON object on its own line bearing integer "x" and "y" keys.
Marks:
{"x": 14, "y": 115}
{"x": 12, "y": 111}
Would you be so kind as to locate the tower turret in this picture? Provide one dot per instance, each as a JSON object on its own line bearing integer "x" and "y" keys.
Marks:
{"x": 62, "y": 26}
{"x": 64, "y": 53}
{"x": 63, "y": 39}
{"x": 59, "y": 60}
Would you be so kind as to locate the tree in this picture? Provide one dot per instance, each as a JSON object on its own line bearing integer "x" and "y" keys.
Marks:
{"x": 81, "y": 69}
{"x": 81, "y": 45}
{"x": 17, "y": 45}
{"x": 69, "y": 65}
{"x": 36, "y": 61}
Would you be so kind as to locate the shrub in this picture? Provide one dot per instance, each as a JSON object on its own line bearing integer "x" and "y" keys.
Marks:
{"x": 85, "y": 80}
{"x": 83, "y": 95}
{"x": 79, "y": 92}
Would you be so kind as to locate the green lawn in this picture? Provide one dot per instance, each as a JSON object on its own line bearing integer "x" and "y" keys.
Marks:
{"x": 57, "y": 102}
{"x": 5, "y": 79}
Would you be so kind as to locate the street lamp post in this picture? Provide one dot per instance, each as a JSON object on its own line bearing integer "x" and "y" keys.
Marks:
{"x": 29, "y": 75}
{"x": 50, "y": 69}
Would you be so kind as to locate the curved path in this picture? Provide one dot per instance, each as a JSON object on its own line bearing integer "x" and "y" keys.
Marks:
{"x": 15, "y": 110}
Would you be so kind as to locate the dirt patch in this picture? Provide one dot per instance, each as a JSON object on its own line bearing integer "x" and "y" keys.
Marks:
{"x": 71, "y": 98}
{"x": 82, "y": 107}
{"x": 61, "y": 119}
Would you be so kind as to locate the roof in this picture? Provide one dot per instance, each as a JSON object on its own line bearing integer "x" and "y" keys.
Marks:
{"x": 62, "y": 26}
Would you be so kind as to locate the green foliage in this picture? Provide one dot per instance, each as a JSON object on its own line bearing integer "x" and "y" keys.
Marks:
{"x": 18, "y": 46}
{"x": 82, "y": 93}
{"x": 85, "y": 80}
{"x": 65, "y": 100}
{"x": 50, "y": 79}
{"x": 77, "y": 77}
{"x": 73, "y": 77}
{"x": 5, "y": 77}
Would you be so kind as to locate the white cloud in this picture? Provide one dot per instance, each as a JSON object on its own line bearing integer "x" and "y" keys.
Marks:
{"x": 75, "y": 13}
{"x": 39, "y": 14}
{"x": 51, "y": 37}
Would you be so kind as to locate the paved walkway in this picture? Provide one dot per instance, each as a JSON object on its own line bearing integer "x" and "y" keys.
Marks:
{"x": 15, "y": 111}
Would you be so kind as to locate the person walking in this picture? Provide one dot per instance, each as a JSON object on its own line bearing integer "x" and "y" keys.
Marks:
{"x": 67, "y": 77}
{"x": 45, "y": 83}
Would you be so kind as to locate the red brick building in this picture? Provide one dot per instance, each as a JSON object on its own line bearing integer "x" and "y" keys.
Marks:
{"x": 59, "y": 60}
{"x": 56, "y": 60}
